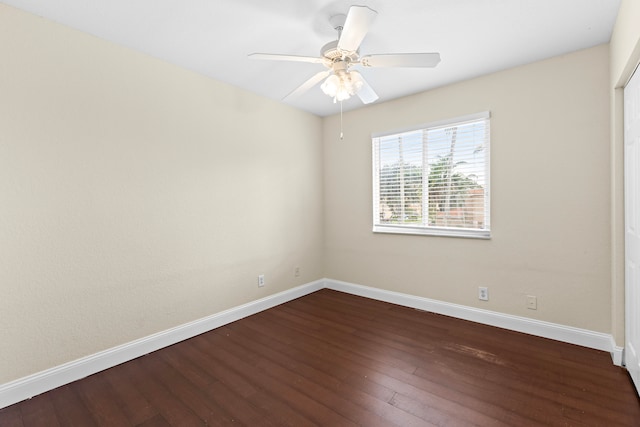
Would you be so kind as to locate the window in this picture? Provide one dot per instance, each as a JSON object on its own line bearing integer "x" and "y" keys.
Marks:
{"x": 433, "y": 179}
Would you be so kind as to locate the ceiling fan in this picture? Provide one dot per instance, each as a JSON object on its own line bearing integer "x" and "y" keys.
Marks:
{"x": 339, "y": 56}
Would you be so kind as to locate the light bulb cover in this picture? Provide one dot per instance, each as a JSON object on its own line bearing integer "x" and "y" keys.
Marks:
{"x": 342, "y": 94}
{"x": 356, "y": 81}
{"x": 331, "y": 85}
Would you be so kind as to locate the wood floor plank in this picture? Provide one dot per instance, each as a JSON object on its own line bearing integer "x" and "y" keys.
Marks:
{"x": 39, "y": 411}
{"x": 389, "y": 375}
{"x": 242, "y": 410}
{"x": 70, "y": 409}
{"x": 379, "y": 350}
{"x": 331, "y": 374}
{"x": 334, "y": 359}
{"x": 135, "y": 406}
{"x": 214, "y": 391}
{"x": 279, "y": 410}
{"x": 305, "y": 405}
{"x": 156, "y": 421}
{"x": 357, "y": 344}
{"x": 171, "y": 409}
{"x": 102, "y": 401}
{"x": 338, "y": 371}
{"x": 213, "y": 370}
{"x": 274, "y": 409}
{"x": 242, "y": 384}
{"x": 518, "y": 385}
{"x": 561, "y": 367}
{"x": 11, "y": 416}
{"x": 191, "y": 396}
{"x": 341, "y": 397}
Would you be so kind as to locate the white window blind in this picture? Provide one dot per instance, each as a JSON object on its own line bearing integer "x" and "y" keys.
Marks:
{"x": 433, "y": 179}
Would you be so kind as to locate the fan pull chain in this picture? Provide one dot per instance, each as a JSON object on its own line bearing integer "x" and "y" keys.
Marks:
{"x": 341, "y": 133}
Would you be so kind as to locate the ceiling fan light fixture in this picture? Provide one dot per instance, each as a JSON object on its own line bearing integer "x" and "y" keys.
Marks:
{"x": 342, "y": 85}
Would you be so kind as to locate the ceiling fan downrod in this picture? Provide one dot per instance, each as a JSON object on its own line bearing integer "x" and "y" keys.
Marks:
{"x": 337, "y": 23}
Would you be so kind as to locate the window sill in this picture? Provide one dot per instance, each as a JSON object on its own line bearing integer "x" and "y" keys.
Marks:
{"x": 440, "y": 231}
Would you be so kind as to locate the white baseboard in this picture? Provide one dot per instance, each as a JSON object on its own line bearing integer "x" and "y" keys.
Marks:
{"x": 582, "y": 337}
{"x": 617, "y": 353}
{"x": 32, "y": 385}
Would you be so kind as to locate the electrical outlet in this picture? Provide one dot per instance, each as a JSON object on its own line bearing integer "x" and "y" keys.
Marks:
{"x": 261, "y": 280}
{"x": 296, "y": 272}
{"x": 483, "y": 293}
{"x": 532, "y": 302}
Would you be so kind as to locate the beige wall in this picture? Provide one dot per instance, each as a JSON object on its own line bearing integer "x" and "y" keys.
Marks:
{"x": 624, "y": 57}
{"x": 136, "y": 196}
{"x": 550, "y": 196}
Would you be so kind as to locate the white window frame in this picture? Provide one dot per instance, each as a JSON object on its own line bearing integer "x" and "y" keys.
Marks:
{"x": 425, "y": 228}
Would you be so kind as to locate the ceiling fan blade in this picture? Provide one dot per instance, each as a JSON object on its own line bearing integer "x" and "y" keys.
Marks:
{"x": 317, "y": 78}
{"x": 356, "y": 26}
{"x": 366, "y": 93}
{"x": 278, "y": 57}
{"x": 426, "y": 60}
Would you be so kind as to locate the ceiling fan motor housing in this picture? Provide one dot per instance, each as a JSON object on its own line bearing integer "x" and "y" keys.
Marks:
{"x": 331, "y": 52}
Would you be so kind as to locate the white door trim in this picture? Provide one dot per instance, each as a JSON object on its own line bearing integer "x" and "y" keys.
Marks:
{"x": 632, "y": 226}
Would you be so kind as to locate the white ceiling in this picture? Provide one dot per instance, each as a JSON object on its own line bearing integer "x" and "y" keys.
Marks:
{"x": 214, "y": 37}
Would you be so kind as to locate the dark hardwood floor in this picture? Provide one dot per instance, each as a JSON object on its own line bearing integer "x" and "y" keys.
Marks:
{"x": 335, "y": 359}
